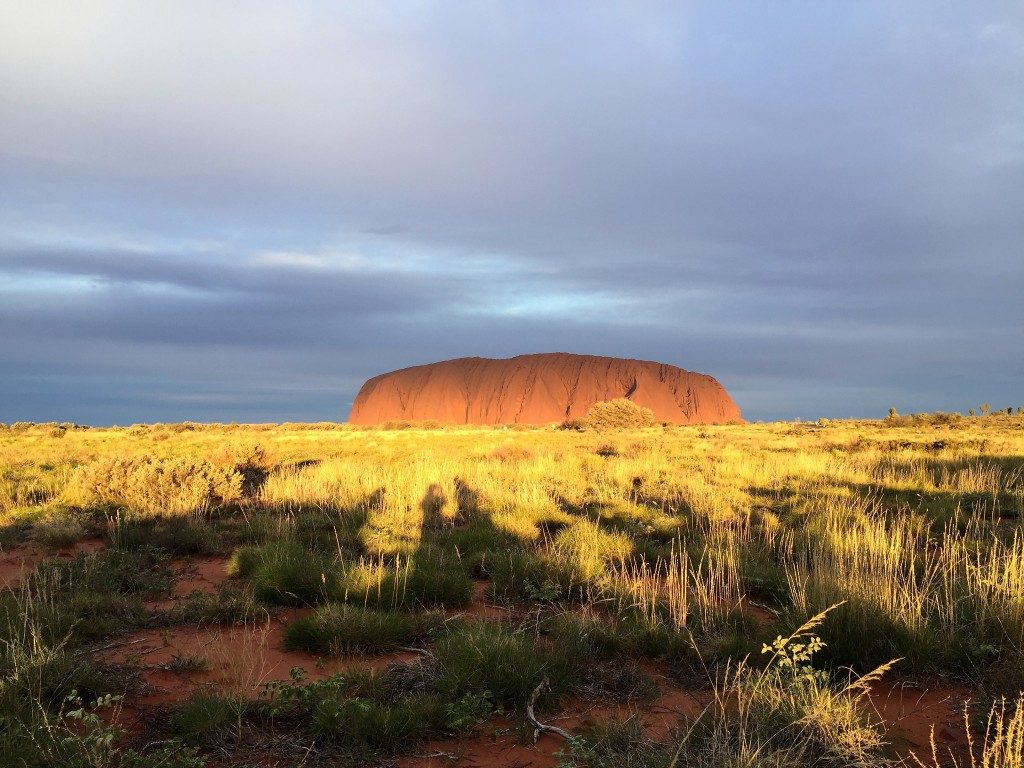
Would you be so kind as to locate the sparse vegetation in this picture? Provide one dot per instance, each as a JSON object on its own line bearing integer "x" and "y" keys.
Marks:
{"x": 609, "y": 560}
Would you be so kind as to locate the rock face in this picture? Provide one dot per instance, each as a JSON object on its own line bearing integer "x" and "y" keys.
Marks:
{"x": 538, "y": 389}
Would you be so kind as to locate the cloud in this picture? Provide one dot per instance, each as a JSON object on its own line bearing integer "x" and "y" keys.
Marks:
{"x": 818, "y": 205}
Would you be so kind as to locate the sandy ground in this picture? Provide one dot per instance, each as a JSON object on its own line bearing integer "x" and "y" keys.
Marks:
{"x": 16, "y": 562}
{"x": 177, "y": 662}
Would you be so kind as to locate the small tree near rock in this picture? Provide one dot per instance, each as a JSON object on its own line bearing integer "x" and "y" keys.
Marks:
{"x": 619, "y": 413}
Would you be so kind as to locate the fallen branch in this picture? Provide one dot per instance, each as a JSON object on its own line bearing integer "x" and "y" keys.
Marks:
{"x": 413, "y": 649}
{"x": 110, "y": 646}
{"x": 538, "y": 726}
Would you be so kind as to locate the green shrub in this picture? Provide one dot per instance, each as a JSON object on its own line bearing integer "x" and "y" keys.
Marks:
{"x": 573, "y": 425}
{"x": 529, "y": 576}
{"x": 340, "y": 629}
{"x": 787, "y": 713}
{"x": 175, "y": 535}
{"x": 139, "y": 571}
{"x": 422, "y": 583}
{"x": 475, "y": 659}
{"x": 368, "y": 724}
{"x": 588, "y": 636}
{"x": 59, "y": 530}
{"x": 244, "y": 561}
{"x": 361, "y": 710}
{"x": 289, "y": 574}
{"x": 204, "y": 719}
{"x": 436, "y": 584}
{"x": 617, "y": 744}
{"x": 476, "y": 544}
{"x": 229, "y": 606}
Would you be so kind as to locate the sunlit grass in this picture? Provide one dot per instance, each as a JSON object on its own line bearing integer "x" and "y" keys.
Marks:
{"x": 675, "y": 544}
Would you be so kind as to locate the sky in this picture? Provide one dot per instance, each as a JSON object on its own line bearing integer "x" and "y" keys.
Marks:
{"x": 232, "y": 211}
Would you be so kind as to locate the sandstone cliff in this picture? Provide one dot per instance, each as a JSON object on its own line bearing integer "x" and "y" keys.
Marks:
{"x": 538, "y": 389}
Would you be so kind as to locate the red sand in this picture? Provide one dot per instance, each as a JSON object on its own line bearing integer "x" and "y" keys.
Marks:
{"x": 17, "y": 563}
{"x": 500, "y": 742}
{"x": 242, "y": 658}
{"x": 202, "y": 574}
{"x": 912, "y": 712}
{"x": 539, "y": 389}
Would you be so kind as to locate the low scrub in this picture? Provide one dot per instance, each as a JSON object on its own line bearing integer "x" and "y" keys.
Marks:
{"x": 361, "y": 723}
{"x": 588, "y": 549}
{"x": 418, "y": 582}
{"x": 937, "y": 602}
{"x": 340, "y": 629}
{"x": 363, "y": 712}
{"x": 153, "y": 486}
{"x": 787, "y": 714}
{"x": 619, "y": 744}
{"x": 619, "y": 413}
{"x": 480, "y": 658}
{"x": 521, "y": 575}
{"x": 175, "y": 535}
{"x": 285, "y": 573}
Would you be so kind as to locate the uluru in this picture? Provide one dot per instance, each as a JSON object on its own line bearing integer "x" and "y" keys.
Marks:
{"x": 539, "y": 389}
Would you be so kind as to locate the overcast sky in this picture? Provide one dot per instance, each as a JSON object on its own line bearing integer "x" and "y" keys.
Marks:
{"x": 239, "y": 211}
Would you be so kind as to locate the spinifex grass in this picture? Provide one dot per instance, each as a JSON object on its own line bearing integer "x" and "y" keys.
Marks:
{"x": 655, "y": 542}
{"x": 937, "y": 599}
{"x": 340, "y": 629}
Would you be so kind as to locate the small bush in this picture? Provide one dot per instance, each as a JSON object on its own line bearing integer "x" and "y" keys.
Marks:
{"x": 423, "y": 583}
{"x": 361, "y": 723}
{"x": 618, "y": 743}
{"x": 244, "y": 561}
{"x": 588, "y": 636}
{"x": 620, "y": 413}
{"x": 60, "y": 530}
{"x": 230, "y": 605}
{"x": 289, "y": 574}
{"x": 341, "y": 629}
{"x": 510, "y": 453}
{"x": 175, "y": 535}
{"x": 142, "y": 571}
{"x": 204, "y": 719}
{"x": 360, "y": 710}
{"x": 521, "y": 575}
{"x": 787, "y": 714}
{"x": 573, "y": 425}
{"x": 479, "y": 658}
{"x": 150, "y": 486}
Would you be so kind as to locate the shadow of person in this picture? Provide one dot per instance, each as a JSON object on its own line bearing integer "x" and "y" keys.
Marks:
{"x": 433, "y": 505}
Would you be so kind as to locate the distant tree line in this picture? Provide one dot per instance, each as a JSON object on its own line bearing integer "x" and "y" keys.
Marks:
{"x": 940, "y": 417}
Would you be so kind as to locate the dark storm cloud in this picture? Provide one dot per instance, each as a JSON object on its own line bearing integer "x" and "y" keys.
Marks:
{"x": 217, "y": 213}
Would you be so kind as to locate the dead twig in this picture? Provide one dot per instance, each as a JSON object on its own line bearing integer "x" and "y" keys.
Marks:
{"x": 110, "y": 646}
{"x": 413, "y": 649}
{"x": 538, "y": 726}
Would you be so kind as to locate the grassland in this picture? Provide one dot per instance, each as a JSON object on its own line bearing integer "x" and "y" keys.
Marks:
{"x": 426, "y": 582}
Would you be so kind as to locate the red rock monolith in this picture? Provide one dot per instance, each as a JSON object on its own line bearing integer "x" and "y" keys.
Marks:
{"x": 539, "y": 389}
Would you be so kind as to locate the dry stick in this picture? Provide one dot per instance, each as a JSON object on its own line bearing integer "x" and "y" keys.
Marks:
{"x": 412, "y": 649}
{"x": 538, "y": 726}
{"x": 111, "y": 645}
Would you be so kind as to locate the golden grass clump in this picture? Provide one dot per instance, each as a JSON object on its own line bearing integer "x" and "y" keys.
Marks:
{"x": 152, "y": 486}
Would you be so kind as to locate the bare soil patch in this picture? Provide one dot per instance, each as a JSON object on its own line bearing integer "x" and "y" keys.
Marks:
{"x": 16, "y": 563}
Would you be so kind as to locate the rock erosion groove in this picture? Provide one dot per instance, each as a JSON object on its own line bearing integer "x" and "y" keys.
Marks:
{"x": 539, "y": 389}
